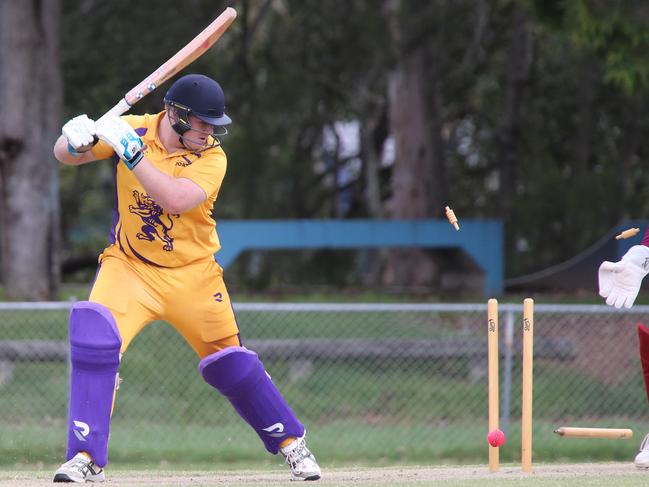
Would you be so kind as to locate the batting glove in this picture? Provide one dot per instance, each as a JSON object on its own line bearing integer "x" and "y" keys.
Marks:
{"x": 126, "y": 143}
{"x": 619, "y": 282}
{"x": 81, "y": 134}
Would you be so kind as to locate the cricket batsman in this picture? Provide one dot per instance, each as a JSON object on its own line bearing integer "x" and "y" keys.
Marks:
{"x": 619, "y": 283}
{"x": 160, "y": 265}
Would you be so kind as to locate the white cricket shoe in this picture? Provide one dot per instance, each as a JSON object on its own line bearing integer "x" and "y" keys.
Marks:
{"x": 301, "y": 460}
{"x": 642, "y": 458}
{"x": 81, "y": 468}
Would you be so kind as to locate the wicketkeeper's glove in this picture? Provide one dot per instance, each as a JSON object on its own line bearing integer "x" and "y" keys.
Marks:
{"x": 619, "y": 282}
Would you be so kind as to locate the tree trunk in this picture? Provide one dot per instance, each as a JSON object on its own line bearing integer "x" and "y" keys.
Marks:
{"x": 371, "y": 155}
{"x": 518, "y": 71}
{"x": 419, "y": 181}
{"x": 373, "y": 133}
{"x": 31, "y": 99}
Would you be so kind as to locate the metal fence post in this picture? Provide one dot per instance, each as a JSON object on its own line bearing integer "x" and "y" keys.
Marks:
{"x": 507, "y": 385}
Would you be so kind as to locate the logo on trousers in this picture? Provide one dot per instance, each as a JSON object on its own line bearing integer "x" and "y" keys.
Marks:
{"x": 275, "y": 430}
{"x": 84, "y": 430}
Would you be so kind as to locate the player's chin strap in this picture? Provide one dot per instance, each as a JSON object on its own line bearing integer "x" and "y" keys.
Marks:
{"x": 178, "y": 117}
{"x": 203, "y": 146}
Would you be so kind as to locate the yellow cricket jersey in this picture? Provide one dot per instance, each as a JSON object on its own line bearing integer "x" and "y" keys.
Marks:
{"x": 141, "y": 228}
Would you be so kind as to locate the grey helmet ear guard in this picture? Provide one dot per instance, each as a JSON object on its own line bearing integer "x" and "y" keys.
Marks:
{"x": 180, "y": 117}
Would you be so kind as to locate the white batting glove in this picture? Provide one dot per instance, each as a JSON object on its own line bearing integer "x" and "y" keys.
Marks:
{"x": 126, "y": 143}
{"x": 81, "y": 134}
{"x": 619, "y": 282}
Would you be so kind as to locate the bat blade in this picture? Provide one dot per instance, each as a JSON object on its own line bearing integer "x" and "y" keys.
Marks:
{"x": 183, "y": 58}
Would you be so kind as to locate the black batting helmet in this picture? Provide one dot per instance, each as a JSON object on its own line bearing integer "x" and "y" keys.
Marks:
{"x": 198, "y": 95}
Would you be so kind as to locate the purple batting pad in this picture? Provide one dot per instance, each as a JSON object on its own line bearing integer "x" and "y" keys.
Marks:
{"x": 94, "y": 359}
{"x": 238, "y": 374}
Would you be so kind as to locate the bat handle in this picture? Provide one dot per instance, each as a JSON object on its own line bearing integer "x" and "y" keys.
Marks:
{"x": 121, "y": 107}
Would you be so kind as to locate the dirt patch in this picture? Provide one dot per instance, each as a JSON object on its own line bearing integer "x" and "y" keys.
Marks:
{"x": 354, "y": 476}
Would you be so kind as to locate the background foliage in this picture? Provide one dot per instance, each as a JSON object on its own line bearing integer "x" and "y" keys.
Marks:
{"x": 541, "y": 109}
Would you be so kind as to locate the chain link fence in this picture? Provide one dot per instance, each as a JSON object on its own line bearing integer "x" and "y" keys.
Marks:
{"x": 373, "y": 383}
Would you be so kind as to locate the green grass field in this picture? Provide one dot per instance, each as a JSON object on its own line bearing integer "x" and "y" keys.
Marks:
{"x": 338, "y": 444}
{"x": 357, "y": 413}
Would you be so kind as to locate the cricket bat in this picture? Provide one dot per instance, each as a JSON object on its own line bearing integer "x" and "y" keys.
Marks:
{"x": 183, "y": 58}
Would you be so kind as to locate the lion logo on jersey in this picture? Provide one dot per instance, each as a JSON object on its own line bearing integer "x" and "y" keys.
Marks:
{"x": 151, "y": 215}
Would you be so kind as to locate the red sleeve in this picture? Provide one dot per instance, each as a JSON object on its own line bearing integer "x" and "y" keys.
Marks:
{"x": 645, "y": 239}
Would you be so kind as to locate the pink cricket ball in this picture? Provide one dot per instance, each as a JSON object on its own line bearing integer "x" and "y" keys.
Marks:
{"x": 496, "y": 438}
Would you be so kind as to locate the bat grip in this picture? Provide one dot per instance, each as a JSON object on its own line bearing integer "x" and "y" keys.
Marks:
{"x": 121, "y": 107}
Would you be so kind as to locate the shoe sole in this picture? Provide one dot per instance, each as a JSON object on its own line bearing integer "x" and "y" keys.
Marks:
{"x": 61, "y": 477}
{"x": 312, "y": 477}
